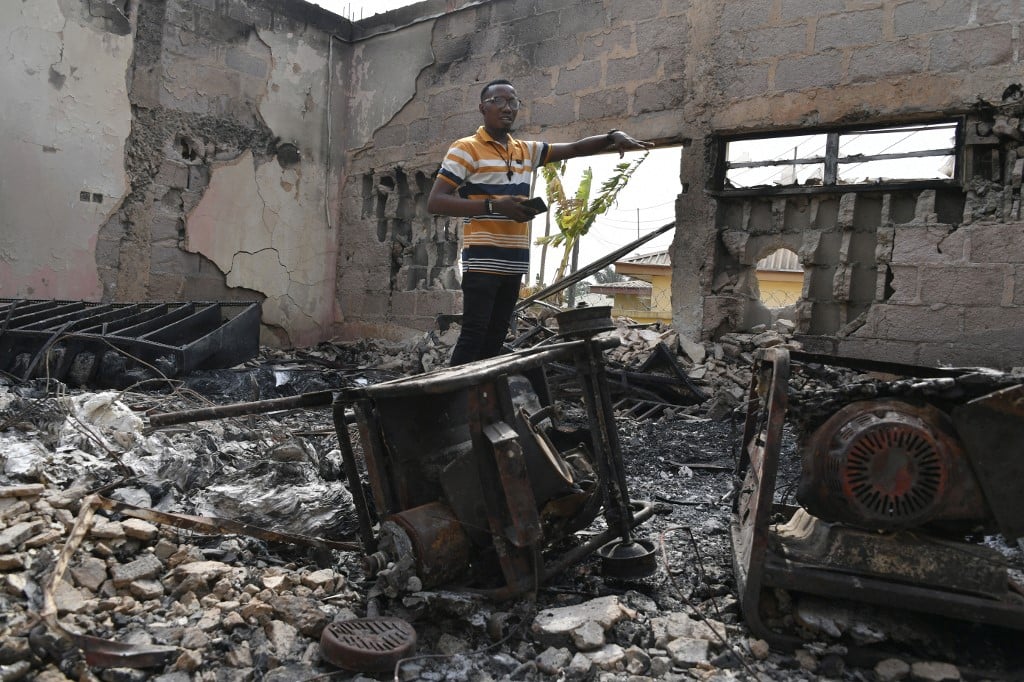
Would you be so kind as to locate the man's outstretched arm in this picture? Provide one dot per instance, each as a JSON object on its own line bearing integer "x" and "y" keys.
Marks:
{"x": 595, "y": 144}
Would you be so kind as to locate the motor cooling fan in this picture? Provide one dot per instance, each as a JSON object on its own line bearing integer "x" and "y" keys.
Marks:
{"x": 888, "y": 464}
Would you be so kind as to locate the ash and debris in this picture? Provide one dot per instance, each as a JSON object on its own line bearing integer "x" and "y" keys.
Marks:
{"x": 238, "y": 608}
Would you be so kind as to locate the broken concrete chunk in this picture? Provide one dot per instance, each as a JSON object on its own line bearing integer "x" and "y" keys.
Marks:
{"x": 551, "y": 661}
{"x": 143, "y": 568}
{"x": 27, "y": 490}
{"x": 554, "y": 626}
{"x": 934, "y": 671}
{"x": 892, "y": 670}
{"x": 139, "y": 529}
{"x": 609, "y": 657}
{"x": 105, "y": 529}
{"x": 589, "y": 636}
{"x": 688, "y": 652}
{"x": 12, "y": 536}
{"x": 90, "y": 574}
{"x": 676, "y": 625}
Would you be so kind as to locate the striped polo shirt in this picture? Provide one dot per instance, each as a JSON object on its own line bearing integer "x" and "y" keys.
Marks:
{"x": 482, "y": 168}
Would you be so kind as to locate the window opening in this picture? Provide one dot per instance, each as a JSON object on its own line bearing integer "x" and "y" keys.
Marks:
{"x": 893, "y": 154}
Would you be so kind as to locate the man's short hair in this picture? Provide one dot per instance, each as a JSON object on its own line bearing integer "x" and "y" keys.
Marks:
{"x": 499, "y": 81}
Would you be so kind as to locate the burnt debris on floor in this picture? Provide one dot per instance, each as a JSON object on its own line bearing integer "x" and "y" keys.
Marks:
{"x": 208, "y": 555}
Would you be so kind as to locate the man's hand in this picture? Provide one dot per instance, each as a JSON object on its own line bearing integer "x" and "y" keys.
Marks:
{"x": 514, "y": 209}
{"x": 624, "y": 142}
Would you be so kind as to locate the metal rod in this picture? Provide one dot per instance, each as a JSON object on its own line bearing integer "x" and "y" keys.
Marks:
{"x": 314, "y": 399}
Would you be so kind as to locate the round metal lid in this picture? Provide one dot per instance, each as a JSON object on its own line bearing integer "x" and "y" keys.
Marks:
{"x": 367, "y": 644}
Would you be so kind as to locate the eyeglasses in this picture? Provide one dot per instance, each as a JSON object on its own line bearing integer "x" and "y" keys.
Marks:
{"x": 513, "y": 102}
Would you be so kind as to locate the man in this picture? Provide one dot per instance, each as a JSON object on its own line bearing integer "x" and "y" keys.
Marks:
{"x": 485, "y": 178}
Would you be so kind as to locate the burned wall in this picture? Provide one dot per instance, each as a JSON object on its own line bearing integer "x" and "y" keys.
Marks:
{"x": 916, "y": 276}
{"x": 66, "y": 114}
{"x": 581, "y": 67}
{"x": 173, "y": 149}
{"x": 229, "y": 163}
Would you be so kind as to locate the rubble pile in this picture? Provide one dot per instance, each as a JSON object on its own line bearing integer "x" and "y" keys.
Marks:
{"x": 228, "y": 606}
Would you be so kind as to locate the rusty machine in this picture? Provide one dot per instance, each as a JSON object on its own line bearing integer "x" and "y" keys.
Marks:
{"x": 472, "y": 483}
{"x": 900, "y": 480}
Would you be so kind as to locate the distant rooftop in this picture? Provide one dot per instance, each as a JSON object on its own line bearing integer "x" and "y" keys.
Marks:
{"x": 782, "y": 260}
{"x": 623, "y": 287}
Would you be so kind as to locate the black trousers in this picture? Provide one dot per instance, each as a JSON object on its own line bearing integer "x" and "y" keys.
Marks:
{"x": 487, "y": 304}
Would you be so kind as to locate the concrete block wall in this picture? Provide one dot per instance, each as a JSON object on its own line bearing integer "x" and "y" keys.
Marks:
{"x": 206, "y": 131}
{"x": 581, "y": 67}
{"x": 787, "y": 65}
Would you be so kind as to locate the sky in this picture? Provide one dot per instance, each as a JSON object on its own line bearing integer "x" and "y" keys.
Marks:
{"x": 645, "y": 204}
{"x": 356, "y": 10}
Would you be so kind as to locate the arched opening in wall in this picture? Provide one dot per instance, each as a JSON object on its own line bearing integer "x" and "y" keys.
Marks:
{"x": 780, "y": 281}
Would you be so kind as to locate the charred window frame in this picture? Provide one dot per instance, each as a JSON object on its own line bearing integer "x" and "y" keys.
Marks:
{"x": 825, "y": 158}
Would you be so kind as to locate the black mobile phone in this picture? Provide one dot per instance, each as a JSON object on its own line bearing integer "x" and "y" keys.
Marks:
{"x": 536, "y": 204}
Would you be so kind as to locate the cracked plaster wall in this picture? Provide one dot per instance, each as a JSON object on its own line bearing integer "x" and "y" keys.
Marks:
{"x": 281, "y": 245}
{"x": 66, "y": 116}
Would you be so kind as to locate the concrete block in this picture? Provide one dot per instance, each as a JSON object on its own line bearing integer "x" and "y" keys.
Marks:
{"x": 915, "y": 18}
{"x": 583, "y": 18}
{"x": 553, "y": 53}
{"x": 872, "y": 349}
{"x": 997, "y": 243}
{"x": 987, "y": 319}
{"x": 562, "y": 112}
{"x": 964, "y": 285}
{"x": 765, "y": 43}
{"x": 606, "y": 104}
{"x": 618, "y": 41}
{"x": 166, "y": 228}
{"x": 849, "y": 28}
{"x": 994, "y": 11}
{"x": 170, "y": 260}
{"x": 437, "y": 301}
{"x": 664, "y": 95}
{"x": 240, "y": 59}
{"x": 816, "y": 71}
{"x": 641, "y": 68}
{"x": 744, "y": 15}
{"x": 583, "y": 76}
{"x": 536, "y": 29}
{"x": 403, "y": 303}
{"x": 375, "y": 304}
{"x": 391, "y": 136}
{"x": 800, "y": 9}
{"x": 108, "y": 253}
{"x": 635, "y": 10}
{"x": 173, "y": 174}
{"x": 896, "y": 58}
{"x": 941, "y": 323}
{"x": 252, "y": 13}
{"x": 971, "y": 48}
{"x": 905, "y": 285}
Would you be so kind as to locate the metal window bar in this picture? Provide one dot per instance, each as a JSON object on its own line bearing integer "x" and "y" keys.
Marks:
{"x": 832, "y": 159}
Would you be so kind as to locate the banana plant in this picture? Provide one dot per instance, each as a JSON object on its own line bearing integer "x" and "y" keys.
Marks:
{"x": 574, "y": 215}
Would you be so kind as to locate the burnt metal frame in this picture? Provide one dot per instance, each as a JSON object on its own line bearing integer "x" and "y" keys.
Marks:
{"x": 511, "y": 510}
{"x": 195, "y": 334}
{"x": 758, "y": 567}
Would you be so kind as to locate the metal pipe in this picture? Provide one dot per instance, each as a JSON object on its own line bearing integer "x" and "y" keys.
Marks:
{"x": 314, "y": 399}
